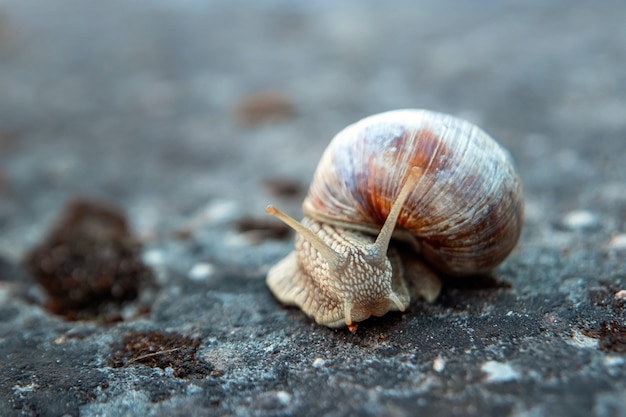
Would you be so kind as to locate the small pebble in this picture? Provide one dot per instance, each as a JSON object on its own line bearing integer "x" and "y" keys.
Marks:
{"x": 618, "y": 242}
{"x": 220, "y": 211}
{"x": 439, "y": 364}
{"x": 580, "y": 220}
{"x": 578, "y": 339}
{"x": 283, "y": 397}
{"x": 153, "y": 257}
{"x": 612, "y": 361}
{"x": 21, "y": 389}
{"x": 193, "y": 389}
{"x": 319, "y": 363}
{"x": 201, "y": 271}
{"x": 215, "y": 212}
{"x": 621, "y": 295}
{"x": 499, "y": 372}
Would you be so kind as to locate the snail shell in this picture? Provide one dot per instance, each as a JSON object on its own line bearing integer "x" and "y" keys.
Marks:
{"x": 457, "y": 200}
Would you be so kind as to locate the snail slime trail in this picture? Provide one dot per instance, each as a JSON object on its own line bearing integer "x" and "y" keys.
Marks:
{"x": 430, "y": 179}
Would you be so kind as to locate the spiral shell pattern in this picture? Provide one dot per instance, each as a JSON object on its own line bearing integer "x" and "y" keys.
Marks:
{"x": 466, "y": 212}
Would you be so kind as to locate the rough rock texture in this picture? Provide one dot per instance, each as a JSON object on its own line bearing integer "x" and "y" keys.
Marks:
{"x": 146, "y": 106}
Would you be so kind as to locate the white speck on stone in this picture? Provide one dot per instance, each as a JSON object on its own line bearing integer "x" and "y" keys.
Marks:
{"x": 193, "y": 389}
{"x": 580, "y": 220}
{"x": 217, "y": 211}
{"x": 283, "y": 397}
{"x": 439, "y": 364}
{"x": 235, "y": 240}
{"x": 499, "y": 372}
{"x": 509, "y": 313}
{"x": 319, "y": 363}
{"x": 580, "y": 340}
{"x": 153, "y": 257}
{"x": 20, "y": 389}
{"x": 611, "y": 361}
{"x": 201, "y": 271}
{"x": 618, "y": 242}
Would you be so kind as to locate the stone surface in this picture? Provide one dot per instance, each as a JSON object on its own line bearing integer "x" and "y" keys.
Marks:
{"x": 136, "y": 104}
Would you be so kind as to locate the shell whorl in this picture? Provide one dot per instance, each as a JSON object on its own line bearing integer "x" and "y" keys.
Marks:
{"x": 466, "y": 211}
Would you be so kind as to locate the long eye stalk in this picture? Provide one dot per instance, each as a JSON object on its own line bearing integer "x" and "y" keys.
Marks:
{"x": 379, "y": 248}
{"x": 335, "y": 261}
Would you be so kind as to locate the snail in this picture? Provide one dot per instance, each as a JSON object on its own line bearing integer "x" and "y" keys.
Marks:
{"x": 442, "y": 188}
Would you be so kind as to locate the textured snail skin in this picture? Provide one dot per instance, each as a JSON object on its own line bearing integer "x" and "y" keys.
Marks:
{"x": 463, "y": 214}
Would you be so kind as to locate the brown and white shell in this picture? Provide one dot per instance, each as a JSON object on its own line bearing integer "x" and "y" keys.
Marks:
{"x": 434, "y": 180}
{"x": 466, "y": 211}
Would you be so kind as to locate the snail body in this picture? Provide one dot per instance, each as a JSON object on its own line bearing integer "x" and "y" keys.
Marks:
{"x": 436, "y": 182}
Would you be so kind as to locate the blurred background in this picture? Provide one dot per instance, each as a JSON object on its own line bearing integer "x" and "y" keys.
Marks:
{"x": 166, "y": 106}
{"x": 191, "y": 116}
